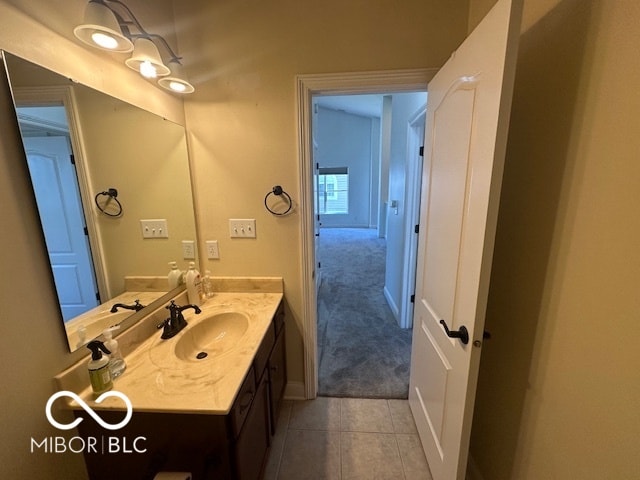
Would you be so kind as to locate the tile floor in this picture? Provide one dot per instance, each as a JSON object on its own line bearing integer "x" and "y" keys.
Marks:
{"x": 346, "y": 439}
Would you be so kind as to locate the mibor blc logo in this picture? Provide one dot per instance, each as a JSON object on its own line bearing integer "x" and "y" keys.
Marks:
{"x": 100, "y": 445}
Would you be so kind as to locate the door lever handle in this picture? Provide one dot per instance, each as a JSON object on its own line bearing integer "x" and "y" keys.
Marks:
{"x": 462, "y": 334}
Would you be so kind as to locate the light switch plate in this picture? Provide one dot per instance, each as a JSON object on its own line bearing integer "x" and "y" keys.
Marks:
{"x": 188, "y": 249}
{"x": 212, "y": 249}
{"x": 242, "y": 227}
{"x": 154, "y": 228}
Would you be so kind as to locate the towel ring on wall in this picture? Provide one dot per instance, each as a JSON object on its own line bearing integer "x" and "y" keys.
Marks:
{"x": 112, "y": 193}
{"x": 279, "y": 192}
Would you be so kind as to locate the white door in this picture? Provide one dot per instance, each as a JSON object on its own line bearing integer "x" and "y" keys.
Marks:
{"x": 465, "y": 137}
{"x": 316, "y": 198}
{"x": 412, "y": 201}
{"x": 56, "y": 189}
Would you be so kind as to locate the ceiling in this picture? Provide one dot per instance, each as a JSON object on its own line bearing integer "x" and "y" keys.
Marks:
{"x": 365, "y": 105}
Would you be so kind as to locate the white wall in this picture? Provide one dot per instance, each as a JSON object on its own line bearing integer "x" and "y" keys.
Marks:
{"x": 344, "y": 140}
{"x": 404, "y": 107}
{"x": 374, "y": 200}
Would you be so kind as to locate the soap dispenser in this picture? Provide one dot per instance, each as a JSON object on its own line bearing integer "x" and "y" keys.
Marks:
{"x": 99, "y": 373}
{"x": 174, "y": 276}
{"x": 116, "y": 362}
{"x": 194, "y": 285}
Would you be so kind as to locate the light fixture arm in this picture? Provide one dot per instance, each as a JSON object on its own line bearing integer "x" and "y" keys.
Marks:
{"x": 126, "y": 23}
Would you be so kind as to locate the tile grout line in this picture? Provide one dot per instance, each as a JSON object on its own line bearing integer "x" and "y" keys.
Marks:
{"x": 395, "y": 437}
{"x": 340, "y": 441}
{"x": 284, "y": 441}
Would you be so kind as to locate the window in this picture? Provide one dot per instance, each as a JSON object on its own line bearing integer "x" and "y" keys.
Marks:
{"x": 333, "y": 190}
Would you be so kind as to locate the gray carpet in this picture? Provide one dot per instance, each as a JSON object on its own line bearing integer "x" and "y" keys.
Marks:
{"x": 362, "y": 352}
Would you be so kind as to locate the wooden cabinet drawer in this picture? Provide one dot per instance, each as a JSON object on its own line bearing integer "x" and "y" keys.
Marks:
{"x": 262, "y": 356}
{"x": 241, "y": 406}
{"x": 277, "y": 379}
{"x": 278, "y": 319}
{"x": 252, "y": 444}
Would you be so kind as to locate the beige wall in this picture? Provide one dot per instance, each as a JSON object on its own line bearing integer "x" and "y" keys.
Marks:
{"x": 145, "y": 158}
{"x": 559, "y": 383}
{"x": 243, "y": 57}
{"x": 242, "y": 120}
{"x": 32, "y": 338}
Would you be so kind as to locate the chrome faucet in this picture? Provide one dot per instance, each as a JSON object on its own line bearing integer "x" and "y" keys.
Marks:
{"x": 136, "y": 306}
{"x": 176, "y": 321}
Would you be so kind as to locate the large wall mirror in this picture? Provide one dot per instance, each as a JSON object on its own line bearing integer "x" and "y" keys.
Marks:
{"x": 98, "y": 167}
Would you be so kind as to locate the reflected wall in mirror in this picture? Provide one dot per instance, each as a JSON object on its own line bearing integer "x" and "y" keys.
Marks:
{"x": 79, "y": 143}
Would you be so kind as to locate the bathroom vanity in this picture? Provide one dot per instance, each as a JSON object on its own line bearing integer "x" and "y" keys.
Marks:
{"x": 213, "y": 416}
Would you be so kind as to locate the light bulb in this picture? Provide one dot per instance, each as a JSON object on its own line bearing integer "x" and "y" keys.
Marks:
{"x": 104, "y": 40}
{"x": 147, "y": 69}
{"x": 177, "y": 86}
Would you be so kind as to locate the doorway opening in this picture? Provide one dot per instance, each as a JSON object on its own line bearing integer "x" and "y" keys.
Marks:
{"x": 310, "y": 87}
{"x": 368, "y": 168}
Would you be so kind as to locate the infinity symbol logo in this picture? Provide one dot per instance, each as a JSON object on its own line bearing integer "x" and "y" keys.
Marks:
{"x": 89, "y": 410}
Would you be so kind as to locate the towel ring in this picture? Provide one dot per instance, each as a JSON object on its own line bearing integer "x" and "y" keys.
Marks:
{"x": 279, "y": 192}
{"x": 112, "y": 193}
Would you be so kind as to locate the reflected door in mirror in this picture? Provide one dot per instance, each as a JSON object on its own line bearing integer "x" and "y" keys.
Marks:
{"x": 56, "y": 190}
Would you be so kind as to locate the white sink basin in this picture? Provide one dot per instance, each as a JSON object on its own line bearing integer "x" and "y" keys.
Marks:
{"x": 211, "y": 336}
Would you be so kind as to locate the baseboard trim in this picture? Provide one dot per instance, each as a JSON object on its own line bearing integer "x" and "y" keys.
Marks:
{"x": 295, "y": 391}
{"x": 473, "y": 472}
{"x": 392, "y": 305}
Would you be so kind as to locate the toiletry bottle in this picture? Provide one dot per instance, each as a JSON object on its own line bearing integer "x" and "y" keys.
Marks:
{"x": 82, "y": 336}
{"x": 207, "y": 287}
{"x": 175, "y": 276}
{"x": 116, "y": 362}
{"x": 194, "y": 285}
{"x": 99, "y": 373}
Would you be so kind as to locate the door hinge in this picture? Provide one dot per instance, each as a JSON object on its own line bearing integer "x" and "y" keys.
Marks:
{"x": 72, "y": 158}
{"x": 413, "y": 298}
{"x": 317, "y": 166}
{"x": 421, "y": 152}
{"x": 86, "y": 231}
{"x": 416, "y": 229}
{"x": 319, "y": 265}
{"x": 98, "y": 297}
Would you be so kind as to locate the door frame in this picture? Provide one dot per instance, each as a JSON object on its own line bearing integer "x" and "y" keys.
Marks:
{"x": 64, "y": 96}
{"x": 330, "y": 84}
{"x": 415, "y": 131}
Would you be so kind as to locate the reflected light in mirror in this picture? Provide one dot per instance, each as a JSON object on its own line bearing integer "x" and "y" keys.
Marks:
{"x": 147, "y": 70}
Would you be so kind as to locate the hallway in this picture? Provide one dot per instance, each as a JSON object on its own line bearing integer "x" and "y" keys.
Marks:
{"x": 362, "y": 352}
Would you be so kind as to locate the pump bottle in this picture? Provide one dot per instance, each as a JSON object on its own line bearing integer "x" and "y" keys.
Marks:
{"x": 116, "y": 362}
{"x": 175, "y": 276}
{"x": 194, "y": 285}
{"x": 99, "y": 373}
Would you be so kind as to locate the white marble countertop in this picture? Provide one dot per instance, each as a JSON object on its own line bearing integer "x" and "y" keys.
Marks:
{"x": 156, "y": 380}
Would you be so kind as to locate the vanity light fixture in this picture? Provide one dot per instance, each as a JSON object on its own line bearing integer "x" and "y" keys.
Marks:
{"x": 146, "y": 59}
{"x": 111, "y": 25}
{"x": 175, "y": 81}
